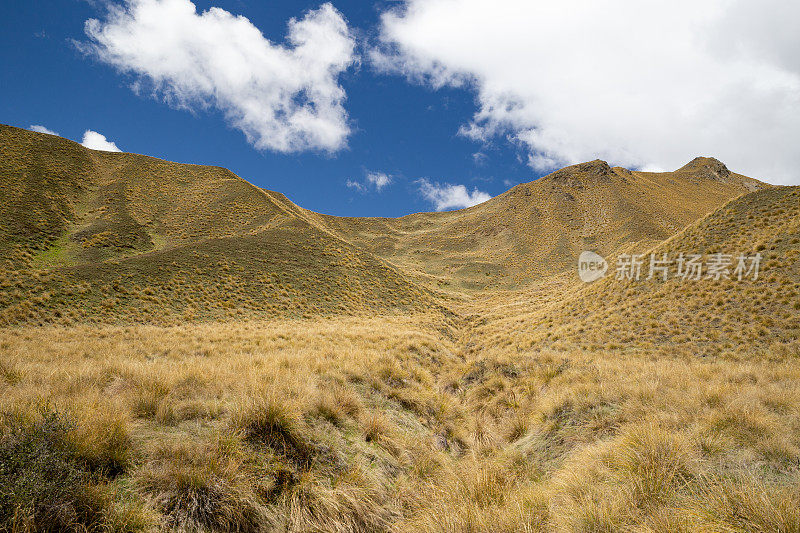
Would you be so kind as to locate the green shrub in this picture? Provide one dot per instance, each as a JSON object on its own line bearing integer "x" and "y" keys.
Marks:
{"x": 43, "y": 485}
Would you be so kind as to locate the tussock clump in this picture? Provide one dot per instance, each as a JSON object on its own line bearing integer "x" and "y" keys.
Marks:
{"x": 334, "y": 406}
{"x": 149, "y": 396}
{"x": 198, "y": 489}
{"x": 617, "y": 483}
{"x": 516, "y": 426}
{"x": 656, "y": 463}
{"x": 103, "y": 442}
{"x": 348, "y": 401}
{"x": 10, "y": 373}
{"x": 484, "y": 434}
{"x": 277, "y": 424}
{"x": 353, "y": 504}
{"x": 743, "y": 503}
{"x": 478, "y": 496}
{"x": 374, "y": 427}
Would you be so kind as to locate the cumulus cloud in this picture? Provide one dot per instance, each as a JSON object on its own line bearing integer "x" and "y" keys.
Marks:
{"x": 283, "y": 97}
{"x": 445, "y": 196}
{"x": 372, "y": 180}
{"x": 41, "y": 129}
{"x": 641, "y": 84}
{"x": 97, "y": 141}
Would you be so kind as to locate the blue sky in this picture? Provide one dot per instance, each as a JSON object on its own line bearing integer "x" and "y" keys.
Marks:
{"x": 405, "y": 130}
{"x": 389, "y": 108}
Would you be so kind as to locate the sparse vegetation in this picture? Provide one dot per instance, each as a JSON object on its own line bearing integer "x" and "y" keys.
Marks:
{"x": 233, "y": 364}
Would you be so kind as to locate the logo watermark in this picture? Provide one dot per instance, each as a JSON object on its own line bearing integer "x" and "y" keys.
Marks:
{"x": 686, "y": 267}
{"x": 591, "y": 267}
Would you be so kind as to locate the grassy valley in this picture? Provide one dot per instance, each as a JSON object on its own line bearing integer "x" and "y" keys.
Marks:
{"x": 183, "y": 351}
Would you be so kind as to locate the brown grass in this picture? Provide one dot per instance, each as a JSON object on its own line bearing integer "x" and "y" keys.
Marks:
{"x": 292, "y": 424}
{"x": 247, "y": 365}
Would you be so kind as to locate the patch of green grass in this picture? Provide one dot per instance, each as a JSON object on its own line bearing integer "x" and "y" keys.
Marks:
{"x": 54, "y": 256}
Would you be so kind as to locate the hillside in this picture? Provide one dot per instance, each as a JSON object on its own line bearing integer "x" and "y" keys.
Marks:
{"x": 97, "y": 235}
{"x": 539, "y": 228}
{"x": 704, "y": 317}
{"x": 183, "y": 351}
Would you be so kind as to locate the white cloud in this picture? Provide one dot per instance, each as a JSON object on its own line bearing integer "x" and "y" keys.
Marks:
{"x": 479, "y": 158}
{"x": 448, "y": 196}
{"x": 374, "y": 180}
{"x": 91, "y": 139}
{"x": 637, "y": 83}
{"x": 41, "y": 129}
{"x": 283, "y": 97}
{"x": 360, "y": 187}
{"x": 96, "y": 141}
{"x": 653, "y": 168}
{"x": 379, "y": 180}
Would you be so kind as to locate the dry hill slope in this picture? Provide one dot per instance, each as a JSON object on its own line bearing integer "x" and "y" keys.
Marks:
{"x": 539, "y": 228}
{"x": 641, "y": 406}
{"x": 100, "y": 235}
{"x": 694, "y": 317}
{"x": 90, "y": 234}
{"x": 557, "y": 406}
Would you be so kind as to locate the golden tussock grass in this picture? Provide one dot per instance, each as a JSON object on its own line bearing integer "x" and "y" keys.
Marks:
{"x": 183, "y": 351}
{"x": 401, "y": 423}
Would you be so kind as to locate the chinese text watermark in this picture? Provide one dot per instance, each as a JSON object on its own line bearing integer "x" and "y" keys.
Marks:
{"x": 687, "y": 267}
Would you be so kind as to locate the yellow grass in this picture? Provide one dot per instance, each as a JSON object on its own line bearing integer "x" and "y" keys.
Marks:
{"x": 180, "y": 350}
{"x": 399, "y": 423}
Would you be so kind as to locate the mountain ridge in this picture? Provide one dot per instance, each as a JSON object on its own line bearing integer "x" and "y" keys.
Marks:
{"x": 143, "y": 223}
{"x": 539, "y": 228}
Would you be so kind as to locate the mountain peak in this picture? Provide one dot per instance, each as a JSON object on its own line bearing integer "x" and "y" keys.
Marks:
{"x": 706, "y": 167}
{"x": 598, "y": 165}
{"x": 597, "y": 169}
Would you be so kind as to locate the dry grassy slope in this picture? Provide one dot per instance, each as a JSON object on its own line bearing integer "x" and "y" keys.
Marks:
{"x": 526, "y": 420}
{"x": 43, "y": 177}
{"x": 703, "y": 317}
{"x": 540, "y": 228}
{"x": 114, "y": 205}
{"x": 100, "y": 235}
{"x": 125, "y": 234}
